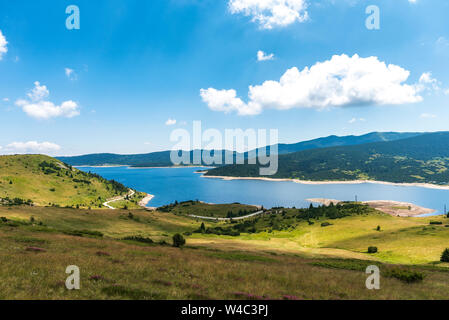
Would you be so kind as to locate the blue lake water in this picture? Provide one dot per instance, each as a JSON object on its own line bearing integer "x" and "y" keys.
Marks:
{"x": 181, "y": 184}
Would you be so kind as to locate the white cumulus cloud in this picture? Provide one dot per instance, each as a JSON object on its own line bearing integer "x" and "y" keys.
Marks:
{"x": 338, "y": 82}
{"x": 30, "y": 147}
{"x": 271, "y": 13}
{"x": 262, "y": 56}
{"x": 3, "y": 45}
{"x": 170, "y": 122}
{"x": 38, "y": 107}
{"x": 427, "y": 82}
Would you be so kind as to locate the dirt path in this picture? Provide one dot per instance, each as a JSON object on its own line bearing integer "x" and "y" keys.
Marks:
{"x": 228, "y": 219}
{"x": 119, "y": 198}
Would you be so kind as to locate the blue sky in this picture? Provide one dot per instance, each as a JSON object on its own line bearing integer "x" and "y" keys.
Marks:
{"x": 112, "y": 85}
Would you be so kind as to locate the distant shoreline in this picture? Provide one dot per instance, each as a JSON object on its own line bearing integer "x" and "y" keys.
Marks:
{"x": 133, "y": 167}
{"x": 103, "y": 166}
{"x": 309, "y": 182}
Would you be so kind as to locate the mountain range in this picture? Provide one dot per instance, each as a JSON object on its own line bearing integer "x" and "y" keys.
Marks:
{"x": 162, "y": 159}
{"x": 422, "y": 158}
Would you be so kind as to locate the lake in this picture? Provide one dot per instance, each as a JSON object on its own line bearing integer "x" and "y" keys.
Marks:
{"x": 181, "y": 184}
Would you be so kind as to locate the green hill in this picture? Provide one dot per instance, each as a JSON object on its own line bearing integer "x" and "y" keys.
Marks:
{"x": 423, "y": 158}
{"x": 45, "y": 181}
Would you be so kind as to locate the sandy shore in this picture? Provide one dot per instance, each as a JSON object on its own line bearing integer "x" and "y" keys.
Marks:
{"x": 146, "y": 200}
{"x": 394, "y": 208}
{"x": 422, "y": 185}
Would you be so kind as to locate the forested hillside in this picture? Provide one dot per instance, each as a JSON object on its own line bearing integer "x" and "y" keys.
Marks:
{"x": 423, "y": 158}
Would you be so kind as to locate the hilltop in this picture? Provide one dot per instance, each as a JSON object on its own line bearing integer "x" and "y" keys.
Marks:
{"x": 45, "y": 181}
{"x": 420, "y": 159}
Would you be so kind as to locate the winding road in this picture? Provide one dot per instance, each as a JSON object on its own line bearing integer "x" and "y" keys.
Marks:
{"x": 106, "y": 204}
{"x": 228, "y": 219}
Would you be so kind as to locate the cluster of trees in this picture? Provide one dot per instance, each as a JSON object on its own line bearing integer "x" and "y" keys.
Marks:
{"x": 49, "y": 167}
{"x": 278, "y": 219}
{"x": 15, "y": 202}
{"x": 170, "y": 207}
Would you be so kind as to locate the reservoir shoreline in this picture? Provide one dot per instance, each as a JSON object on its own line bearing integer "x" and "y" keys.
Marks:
{"x": 311, "y": 182}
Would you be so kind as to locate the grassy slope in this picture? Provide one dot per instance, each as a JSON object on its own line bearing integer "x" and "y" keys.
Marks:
{"x": 28, "y": 181}
{"x": 136, "y": 271}
{"x": 401, "y": 240}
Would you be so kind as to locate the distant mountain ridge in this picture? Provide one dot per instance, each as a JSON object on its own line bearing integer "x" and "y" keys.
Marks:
{"x": 419, "y": 159}
{"x": 162, "y": 159}
{"x": 335, "y": 141}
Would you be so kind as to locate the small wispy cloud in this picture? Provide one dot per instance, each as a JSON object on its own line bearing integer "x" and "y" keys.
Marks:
{"x": 70, "y": 74}
{"x": 170, "y": 122}
{"x": 427, "y": 116}
{"x": 442, "y": 42}
{"x": 354, "y": 120}
{"x": 262, "y": 56}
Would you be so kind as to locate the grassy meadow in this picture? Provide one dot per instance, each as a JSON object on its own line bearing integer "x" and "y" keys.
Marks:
{"x": 306, "y": 261}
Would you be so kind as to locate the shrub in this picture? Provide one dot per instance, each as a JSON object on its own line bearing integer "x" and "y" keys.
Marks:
{"x": 139, "y": 239}
{"x": 405, "y": 275}
{"x": 436, "y": 222}
{"x": 372, "y": 250}
{"x": 326, "y": 224}
{"x": 178, "y": 240}
{"x": 445, "y": 255}
{"x": 81, "y": 233}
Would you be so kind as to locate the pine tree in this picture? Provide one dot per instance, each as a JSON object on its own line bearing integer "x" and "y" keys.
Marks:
{"x": 445, "y": 256}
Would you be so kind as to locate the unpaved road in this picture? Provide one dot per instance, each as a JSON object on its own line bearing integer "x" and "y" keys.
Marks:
{"x": 106, "y": 204}
{"x": 228, "y": 219}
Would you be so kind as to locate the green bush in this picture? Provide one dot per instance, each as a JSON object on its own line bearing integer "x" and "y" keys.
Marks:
{"x": 81, "y": 233}
{"x": 178, "y": 240}
{"x": 405, "y": 275}
{"x": 445, "y": 255}
{"x": 139, "y": 239}
{"x": 372, "y": 250}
